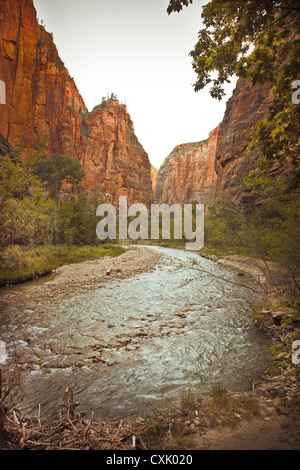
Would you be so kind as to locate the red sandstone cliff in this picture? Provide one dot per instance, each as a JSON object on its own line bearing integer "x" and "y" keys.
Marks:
{"x": 42, "y": 101}
{"x": 154, "y": 173}
{"x": 188, "y": 173}
{"x": 112, "y": 156}
{"x": 196, "y": 171}
{"x": 43, "y": 105}
{"x": 247, "y": 106}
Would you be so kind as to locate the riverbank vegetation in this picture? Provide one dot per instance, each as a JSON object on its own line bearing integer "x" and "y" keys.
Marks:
{"x": 21, "y": 263}
{"x": 171, "y": 428}
{"x": 268, "y": 232}
{"x": 46, "y": 218}
{"x": 260, "y": 43}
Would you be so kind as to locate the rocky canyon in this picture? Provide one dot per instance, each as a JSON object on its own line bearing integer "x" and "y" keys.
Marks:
{"x": 188, "y": 173}
{"x": 44, "y": 109}
{"x": 197, "y": 171}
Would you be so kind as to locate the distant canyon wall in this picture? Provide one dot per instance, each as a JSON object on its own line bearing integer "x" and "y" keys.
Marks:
{"x": 44, "y": 109}
{"x": 196, "y": 171}
{"x": 245, "y": 109}
{"x": 188, "y": 173}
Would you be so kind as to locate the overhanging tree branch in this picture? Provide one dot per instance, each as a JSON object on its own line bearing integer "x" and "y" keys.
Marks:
{"x": 196, "y": 268}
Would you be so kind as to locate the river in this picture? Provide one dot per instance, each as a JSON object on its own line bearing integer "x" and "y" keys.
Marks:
{"x": 135, "y": 343}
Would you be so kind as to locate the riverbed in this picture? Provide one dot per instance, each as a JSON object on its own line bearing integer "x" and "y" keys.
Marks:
{"x": 131, "y": 333}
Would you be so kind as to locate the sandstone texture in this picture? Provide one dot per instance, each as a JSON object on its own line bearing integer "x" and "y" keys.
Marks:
{"x": 198, "y": 171}
{"x": 42, "y": 101}
{"x": 154, "y": 173}
{"x": 247, "y": 106}
{"x": 45, "y": 111}
{"x": 113, "y": 158}
{"x": 187, "y": 174}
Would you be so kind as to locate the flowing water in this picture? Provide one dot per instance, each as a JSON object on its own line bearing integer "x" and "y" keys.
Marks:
{"x": 138, "y": 342}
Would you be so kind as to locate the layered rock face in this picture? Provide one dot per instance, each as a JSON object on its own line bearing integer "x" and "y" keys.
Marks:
{"x": 44, "y": 109}
{"x": 198, "y": 171}
{"x": 42, "y": 100}
{"x": 247, "y": 106}
{"x": 188, "y": 173}
{"x": 113, "y": 158}
{"x": 154, "y": 173}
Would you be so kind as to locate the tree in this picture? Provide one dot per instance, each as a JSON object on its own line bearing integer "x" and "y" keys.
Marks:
{"x": 257, "y": 40}
{"x": 176, "y": 5}
{"x": 15, "y": 181}
{"x": 54, "y": 172}
{"x": 77, "y": 219}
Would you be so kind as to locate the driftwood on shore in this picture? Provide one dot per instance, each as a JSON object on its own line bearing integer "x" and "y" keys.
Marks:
{"x": 67, "y": 431}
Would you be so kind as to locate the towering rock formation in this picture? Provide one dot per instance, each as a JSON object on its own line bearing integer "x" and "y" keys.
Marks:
{"x": 197, "y": 171}
{"x": 45, "y": 109}
{"x": 112, "y": 157}
{"x": 247, "y": 106}
{"x": 188, "y": 173}
{"x": 42, "y": 100}
{"x": 154, "y": 173}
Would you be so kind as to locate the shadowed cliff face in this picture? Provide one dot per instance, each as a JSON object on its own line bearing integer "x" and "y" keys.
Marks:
{"x": 44, "y": 106}
{"x": 199, "y": 170}
{"x": 247, "y": 106}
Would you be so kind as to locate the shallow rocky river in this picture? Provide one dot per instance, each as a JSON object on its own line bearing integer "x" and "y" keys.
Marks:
{"x": 129, "y": 344}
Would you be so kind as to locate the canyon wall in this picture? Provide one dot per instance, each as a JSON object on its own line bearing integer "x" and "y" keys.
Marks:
{"x": 42, "y": 101}
{"x": 44, "y": 110}
{"x": 154, "y": 173}
{"x": 113, "y": 158}
{"x": 247, "y": 106}
{"x": 200, "y": 170}
{"x": 188, "y": 173}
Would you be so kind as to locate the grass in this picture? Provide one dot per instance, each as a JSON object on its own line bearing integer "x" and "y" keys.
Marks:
{"x": 20, "y": 263}
{"x": 188, "y": 402}
{"x": 289, "y": 406}
{"x": 170, "y": 429}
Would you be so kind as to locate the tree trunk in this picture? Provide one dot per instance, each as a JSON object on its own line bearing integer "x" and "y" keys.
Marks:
{"x": 54, "y": 223}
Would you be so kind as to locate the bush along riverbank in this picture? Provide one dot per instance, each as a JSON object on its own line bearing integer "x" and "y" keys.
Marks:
{"x": 20, "y": 263}
{"x": 275, "y": 396}
{"x": 279, "y": 319}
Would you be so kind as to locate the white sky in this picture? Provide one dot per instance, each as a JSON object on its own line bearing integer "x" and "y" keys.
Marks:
{"x": 134, "y": 49}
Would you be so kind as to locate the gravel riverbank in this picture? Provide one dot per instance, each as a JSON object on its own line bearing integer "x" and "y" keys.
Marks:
{"x": 270, "y": 430}
{"x": 97, "y": 273}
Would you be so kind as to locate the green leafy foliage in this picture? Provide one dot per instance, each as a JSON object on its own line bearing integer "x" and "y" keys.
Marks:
{"x": 35, "y": 212}
{"x": 271, "y": 233}
{"x": 255, "y": 40}
{"x": 20, "y": 263}
{"x": 27, "y": 221}
{"x": 57, "y": 170}
{"x": 176, "y": 5}
{"x": 15, "y": 180}
{"x": 54, "y": 172}
{"x": 77, "y": 220}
